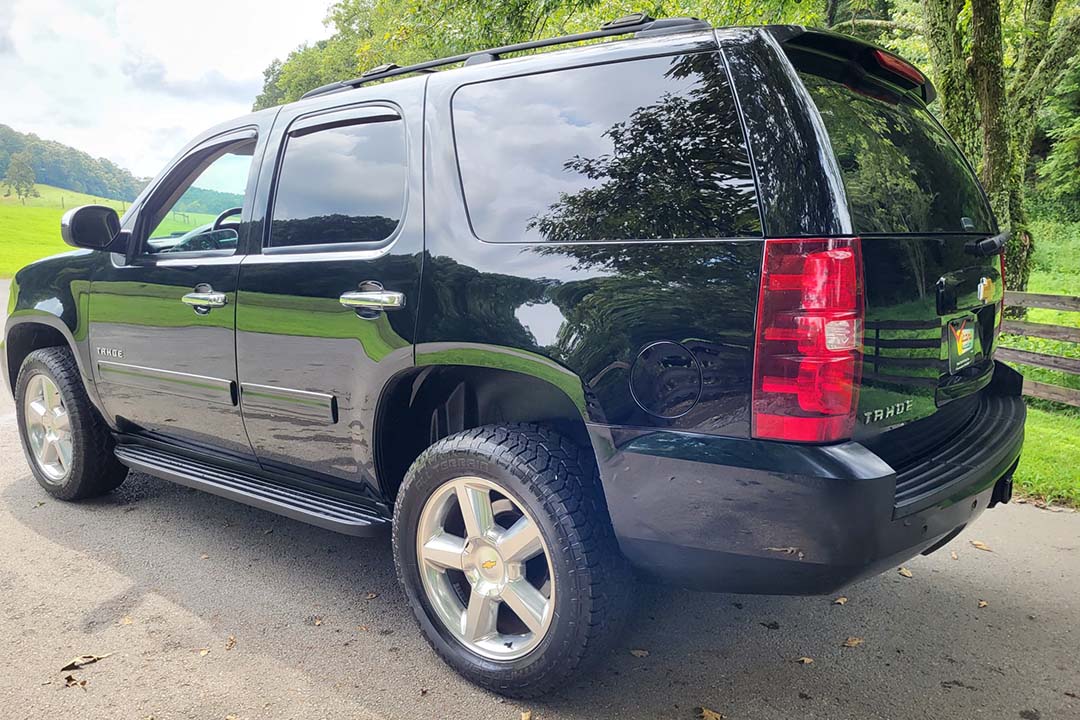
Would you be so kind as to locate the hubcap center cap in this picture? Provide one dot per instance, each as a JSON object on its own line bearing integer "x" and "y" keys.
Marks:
{"x": 485, "y": 567}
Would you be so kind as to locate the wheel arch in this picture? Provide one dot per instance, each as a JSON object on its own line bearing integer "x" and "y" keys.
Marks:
{"x": 432, "y": 400}
{"x": 25, "y": 335}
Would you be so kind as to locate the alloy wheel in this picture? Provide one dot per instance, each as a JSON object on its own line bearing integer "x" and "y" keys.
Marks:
{"x": 48, "y": 428}
{"x": 485, "y": 568}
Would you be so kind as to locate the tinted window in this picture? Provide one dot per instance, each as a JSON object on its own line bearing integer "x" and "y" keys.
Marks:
{"x": 342, "y": 184}
{"x": 644, "y": 150}
{"x": 902, "y": 172}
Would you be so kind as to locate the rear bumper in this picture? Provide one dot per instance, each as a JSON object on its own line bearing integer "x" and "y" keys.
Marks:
{"x": 741, "y": 515}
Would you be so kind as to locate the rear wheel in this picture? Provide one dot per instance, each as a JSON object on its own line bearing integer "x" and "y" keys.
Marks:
{"x": 506, "y": 553}
{"x": 67, "y": 444}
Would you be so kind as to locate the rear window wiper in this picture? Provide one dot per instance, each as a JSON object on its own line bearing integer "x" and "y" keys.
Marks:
{"x": 987, "y": 246}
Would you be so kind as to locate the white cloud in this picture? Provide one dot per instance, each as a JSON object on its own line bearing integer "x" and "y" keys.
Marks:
{"x": 133, "y": 80}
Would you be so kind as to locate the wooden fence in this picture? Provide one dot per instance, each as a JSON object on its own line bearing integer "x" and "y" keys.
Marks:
{"x": 1066, "y": 303}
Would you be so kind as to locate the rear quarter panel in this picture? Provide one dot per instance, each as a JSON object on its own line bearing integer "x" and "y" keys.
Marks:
{"x": 577, "y": 315}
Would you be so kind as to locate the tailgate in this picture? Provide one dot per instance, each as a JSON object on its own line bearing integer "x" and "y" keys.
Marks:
{"x": 933, "y": 297}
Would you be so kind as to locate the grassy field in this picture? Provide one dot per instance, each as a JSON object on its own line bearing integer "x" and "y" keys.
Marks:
{"x": 1049, "y": 470}
{"x": 1050, "y": 467}
{"x": 32, "y": 231}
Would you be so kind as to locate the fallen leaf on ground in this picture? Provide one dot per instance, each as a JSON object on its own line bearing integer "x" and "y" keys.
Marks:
{"x": 204, "y": 556}
{"x": 805, "y": 660}
{"x": 905, "y": 572}
{"x": 126, "y": 620}
{"x": 853, "y": 642}
{"x": 954, "y": 555}
{"x": 72, "y": 681}
{"x": 203, "y": 652}
{"x": 526, "y": 715}
{"x": 362, "y": 628}
{"x": 39, "y": 503}
{"x": 640, "y": 653}
{"x": 230, "y": 642}
{"x": 316, "y": 621}
{"x": 840, "y": 601}
{"x": 83, "y": 661}
{"x": 706, "y": 714}
{"x": 371, "y": 595}
{"x": 983, "y": 603}
{"x": 980, "y": 545}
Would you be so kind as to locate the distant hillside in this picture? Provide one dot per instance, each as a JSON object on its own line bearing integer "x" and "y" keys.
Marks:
{"x": 201, "y": 200}
{"x": 63, "y": 166}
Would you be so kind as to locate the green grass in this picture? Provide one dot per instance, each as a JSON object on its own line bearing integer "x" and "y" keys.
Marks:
{"x": 1050, "y": 467}
{"x": 32, "y": 231}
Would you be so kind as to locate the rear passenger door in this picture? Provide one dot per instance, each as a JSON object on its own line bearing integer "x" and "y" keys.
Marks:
{"x": 326, "y": 307}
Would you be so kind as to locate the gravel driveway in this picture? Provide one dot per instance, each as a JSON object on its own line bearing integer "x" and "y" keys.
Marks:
{"x": 211, "y": 610}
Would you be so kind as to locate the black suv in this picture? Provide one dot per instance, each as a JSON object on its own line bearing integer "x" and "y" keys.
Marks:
{"x": 716, "y": 305}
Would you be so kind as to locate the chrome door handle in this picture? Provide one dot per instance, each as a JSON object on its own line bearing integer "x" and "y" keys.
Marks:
{"x": 373, "y": 300}
{"x": 202, "y": 302}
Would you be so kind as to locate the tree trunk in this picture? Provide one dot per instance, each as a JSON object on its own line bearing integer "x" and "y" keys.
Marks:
{"x": 945, "y": 39}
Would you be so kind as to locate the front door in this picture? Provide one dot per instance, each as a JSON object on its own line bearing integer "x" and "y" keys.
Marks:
{"x": 326, "y": 310}
{"x": 162, "y": 318}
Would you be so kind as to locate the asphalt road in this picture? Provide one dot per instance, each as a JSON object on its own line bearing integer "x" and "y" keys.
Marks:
{"x": 162, "y": 577}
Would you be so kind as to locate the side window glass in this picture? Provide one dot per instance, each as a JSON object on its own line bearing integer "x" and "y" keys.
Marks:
{"x": 639, "y": 150}
{"x": 202, "y": 213}
{"x": 341, "y": 184}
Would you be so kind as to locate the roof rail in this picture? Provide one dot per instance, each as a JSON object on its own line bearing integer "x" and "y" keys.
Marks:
{"x": 637, "y": 23}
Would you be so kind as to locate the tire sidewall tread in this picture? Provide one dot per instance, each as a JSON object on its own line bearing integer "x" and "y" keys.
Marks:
{"x": 557, "y": 481}
{"x": 95, "y": 469}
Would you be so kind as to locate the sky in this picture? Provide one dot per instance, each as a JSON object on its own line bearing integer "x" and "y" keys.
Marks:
{"x": 134, "y": 80}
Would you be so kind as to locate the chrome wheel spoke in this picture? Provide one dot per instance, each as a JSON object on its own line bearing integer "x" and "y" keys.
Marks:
{"x": 63, "y": 453}
{"x": 444, "y": 551}
{"x": 476, "y": 509}
{"x": 480, "y": 617}
{"x": 527, "y": 603}
{"x": 61, "y": 421}
{"x": 521, "y": 542}
{"x": 35, "y": 410}
{"x": 52, "y": 396}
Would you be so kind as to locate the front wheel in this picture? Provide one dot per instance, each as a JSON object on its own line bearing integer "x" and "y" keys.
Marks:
{"x": 504, "y": 547}
{"x": 67, "y": 444}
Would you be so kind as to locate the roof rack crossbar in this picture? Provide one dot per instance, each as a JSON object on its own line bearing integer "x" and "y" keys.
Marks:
{"x": 636, "y": 22}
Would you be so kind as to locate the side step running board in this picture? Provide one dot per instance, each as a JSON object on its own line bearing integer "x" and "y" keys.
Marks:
{"x": 326, "y": 511}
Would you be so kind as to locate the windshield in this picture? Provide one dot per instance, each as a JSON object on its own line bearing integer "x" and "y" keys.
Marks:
{"x": 902, "y": 172}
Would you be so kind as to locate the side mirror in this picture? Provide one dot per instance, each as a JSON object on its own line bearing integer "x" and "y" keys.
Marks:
{"x": 90, "y": 226}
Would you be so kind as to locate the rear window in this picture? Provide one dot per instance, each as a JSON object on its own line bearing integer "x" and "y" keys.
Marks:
{"x": 638, "y": 150}
{"x": 901, "y": 171}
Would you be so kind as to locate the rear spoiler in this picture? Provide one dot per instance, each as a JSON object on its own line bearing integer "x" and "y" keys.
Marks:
{"x": 867, "y": 57}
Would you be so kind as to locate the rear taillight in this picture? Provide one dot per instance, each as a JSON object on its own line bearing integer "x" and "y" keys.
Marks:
{"x": 808, "y": 354}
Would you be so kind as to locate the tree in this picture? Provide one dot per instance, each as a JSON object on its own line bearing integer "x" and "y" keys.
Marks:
{"x": 1059, "y": 173}
{"x": 20, "y": 176}
{"x": 990, "y": 105}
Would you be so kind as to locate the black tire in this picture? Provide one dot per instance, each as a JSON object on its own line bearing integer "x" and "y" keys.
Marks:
{"x": 94, "y": 469}
{"x": 556, "y": 480}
